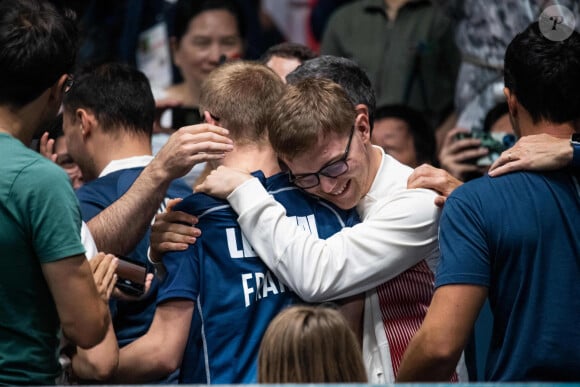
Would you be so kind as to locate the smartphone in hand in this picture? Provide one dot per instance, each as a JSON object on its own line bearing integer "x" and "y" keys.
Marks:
{"x": 183, "y": 116}
{"x": 131, "y": 276}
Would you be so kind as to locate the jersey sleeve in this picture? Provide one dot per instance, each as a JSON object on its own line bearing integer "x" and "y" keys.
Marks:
{"x": 91, "y": 202}
{"x": 182, "y": 277}
{"x": 464, "y": 249}
{"x": 401, "y": 233}
{"x": 45, "y": 196}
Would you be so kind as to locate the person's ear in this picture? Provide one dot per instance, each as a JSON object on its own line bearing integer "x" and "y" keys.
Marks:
{"x": 362, "y": 109}
{"x": 87, "y": 122}
{"x": 57, "y": 90}
{"x": 512, "y": 101}
{"x": 362, "y": 123}
{"x": 207, "y": 117}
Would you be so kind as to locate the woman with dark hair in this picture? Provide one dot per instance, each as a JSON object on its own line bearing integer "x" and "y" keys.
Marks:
{"x": 205, "y": 34}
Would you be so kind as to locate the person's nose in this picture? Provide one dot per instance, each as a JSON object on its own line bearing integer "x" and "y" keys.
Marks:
{"x": 327, "y": 184}
{"x": 214, "y": 53}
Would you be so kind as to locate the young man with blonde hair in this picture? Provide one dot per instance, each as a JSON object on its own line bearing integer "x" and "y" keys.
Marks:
{"x": 324, "y": 139}
{"x": 221, "y": 277}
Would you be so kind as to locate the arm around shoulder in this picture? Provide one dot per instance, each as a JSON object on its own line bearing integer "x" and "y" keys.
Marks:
{"x": 400, "y": 232}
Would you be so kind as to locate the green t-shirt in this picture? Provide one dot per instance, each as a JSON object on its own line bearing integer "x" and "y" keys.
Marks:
{"x": 39, "y": 223}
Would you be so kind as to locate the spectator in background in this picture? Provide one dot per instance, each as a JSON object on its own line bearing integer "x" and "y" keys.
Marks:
{"x": 482, "y": 31}
{"x": 205, "y": 34}
{"x": 463, "y": 153}
{"x": 406, "y": 48}
{"x": 46, "y": 282}
{"x": 283, "y": 58}
{"x": 404, "y": 133}
{"x": 310, "y": 344}
{"x": 319, "y": 15}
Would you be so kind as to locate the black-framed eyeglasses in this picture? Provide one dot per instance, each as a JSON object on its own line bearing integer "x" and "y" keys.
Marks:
{"x": 332, "y": 170}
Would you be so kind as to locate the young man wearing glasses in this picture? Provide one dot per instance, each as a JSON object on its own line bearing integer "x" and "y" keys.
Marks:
{"x": 324, "y": 139}
{"x": 218, "y": 297}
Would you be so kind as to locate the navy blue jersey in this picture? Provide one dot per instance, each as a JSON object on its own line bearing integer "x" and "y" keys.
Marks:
{"x": 519, "y": 236}
{"x": 235, "y": 294}
{"x": 131, "y": 320}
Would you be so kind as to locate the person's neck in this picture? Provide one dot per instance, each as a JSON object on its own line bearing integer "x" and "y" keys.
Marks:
{"x": 110, "y": 148}
{"x": 253, "y": 157}
{"x": 563, "y": 130}
{"x": 376, "y": 159}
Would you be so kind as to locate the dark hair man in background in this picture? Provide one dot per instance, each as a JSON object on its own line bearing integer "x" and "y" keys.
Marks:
{"x": 108, "y": 121}
{"x": 514, "y": 239}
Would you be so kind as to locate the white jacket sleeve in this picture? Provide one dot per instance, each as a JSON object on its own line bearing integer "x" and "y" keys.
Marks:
{"x": 400, "y": 232}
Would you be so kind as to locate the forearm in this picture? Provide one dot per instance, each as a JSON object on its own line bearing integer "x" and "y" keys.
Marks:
{"x": 119, "y": 227}
{"x": 422, "y": 362}
{"x": 159, "y": 352}
{"x": 436, "y": 348}
{"x": 97, "y": 363}
{"x": 143, "y": 361}
{"x": 353, "y": 260}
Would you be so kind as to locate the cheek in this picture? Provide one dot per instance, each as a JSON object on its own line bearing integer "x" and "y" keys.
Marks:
{"x": 188, "y": 56}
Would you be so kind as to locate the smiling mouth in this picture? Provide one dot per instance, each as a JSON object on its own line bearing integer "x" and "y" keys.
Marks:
{"x": 341, "y": 190}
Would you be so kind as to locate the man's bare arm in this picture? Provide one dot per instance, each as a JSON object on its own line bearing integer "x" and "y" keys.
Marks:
{"x": 100, "y": 362}
{"x": 436, "y": 348}
{"x": 84, "y": 315}
{"x": 159, "y": 352}
{"x": 119, "y": 227}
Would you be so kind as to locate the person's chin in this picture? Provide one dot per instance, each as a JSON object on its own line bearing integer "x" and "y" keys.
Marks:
{"x": 343, "y": 197}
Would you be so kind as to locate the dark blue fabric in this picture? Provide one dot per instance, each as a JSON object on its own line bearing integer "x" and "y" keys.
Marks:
{"x": 519, "y": 235}
{"x": 132, "y": 319}
{"x": 236, "y": 296}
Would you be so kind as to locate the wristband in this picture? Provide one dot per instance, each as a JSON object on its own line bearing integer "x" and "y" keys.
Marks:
{"x": 160, "y": 271}
{"x": 575, "y": 142}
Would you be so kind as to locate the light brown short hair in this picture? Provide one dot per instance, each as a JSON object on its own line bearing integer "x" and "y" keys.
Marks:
{"x": 241, "y": 94}
{"x": 310, "y": 344}
{"x": 307, "y": 109}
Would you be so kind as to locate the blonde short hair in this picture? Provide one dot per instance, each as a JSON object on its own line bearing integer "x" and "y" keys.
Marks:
{"x": 308, "y": 109}
{"x": 241, "y": 94}
{"x": 309, "y": 344}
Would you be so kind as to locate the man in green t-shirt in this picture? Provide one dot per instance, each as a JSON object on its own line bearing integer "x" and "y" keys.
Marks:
{"x": 45, "y": 280}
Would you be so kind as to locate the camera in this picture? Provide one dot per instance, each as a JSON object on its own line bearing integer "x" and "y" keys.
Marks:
{"x": 496, "y": 143}
{"x": 131, "y": 275}
{"x": 183, "y": 116}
